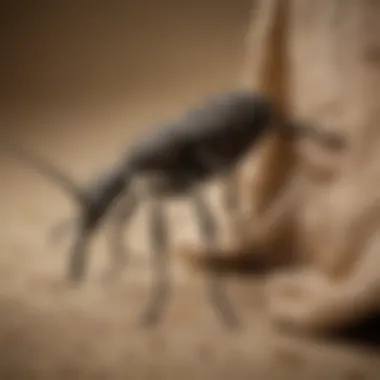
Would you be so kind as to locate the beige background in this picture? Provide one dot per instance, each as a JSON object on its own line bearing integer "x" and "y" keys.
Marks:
{"x": 78, "y": 84}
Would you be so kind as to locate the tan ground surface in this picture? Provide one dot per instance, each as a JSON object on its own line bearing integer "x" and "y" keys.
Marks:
{"x": 79, "y": 84}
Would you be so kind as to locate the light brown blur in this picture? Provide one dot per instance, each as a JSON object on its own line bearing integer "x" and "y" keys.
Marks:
{"x": 304, "y": 205}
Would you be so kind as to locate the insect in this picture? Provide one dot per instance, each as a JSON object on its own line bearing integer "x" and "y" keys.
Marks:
{"x": 173, "y": 160}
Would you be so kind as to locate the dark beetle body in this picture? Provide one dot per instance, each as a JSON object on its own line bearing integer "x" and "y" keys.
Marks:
{"x": 205, "y": 143}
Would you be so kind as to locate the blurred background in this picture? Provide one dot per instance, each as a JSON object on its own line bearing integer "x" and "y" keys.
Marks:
{"x": 115, "y": 60}
{"x": 79, "y": 81}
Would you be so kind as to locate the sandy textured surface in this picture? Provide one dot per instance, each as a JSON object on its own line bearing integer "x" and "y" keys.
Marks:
{"x": 80, "y": 84}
